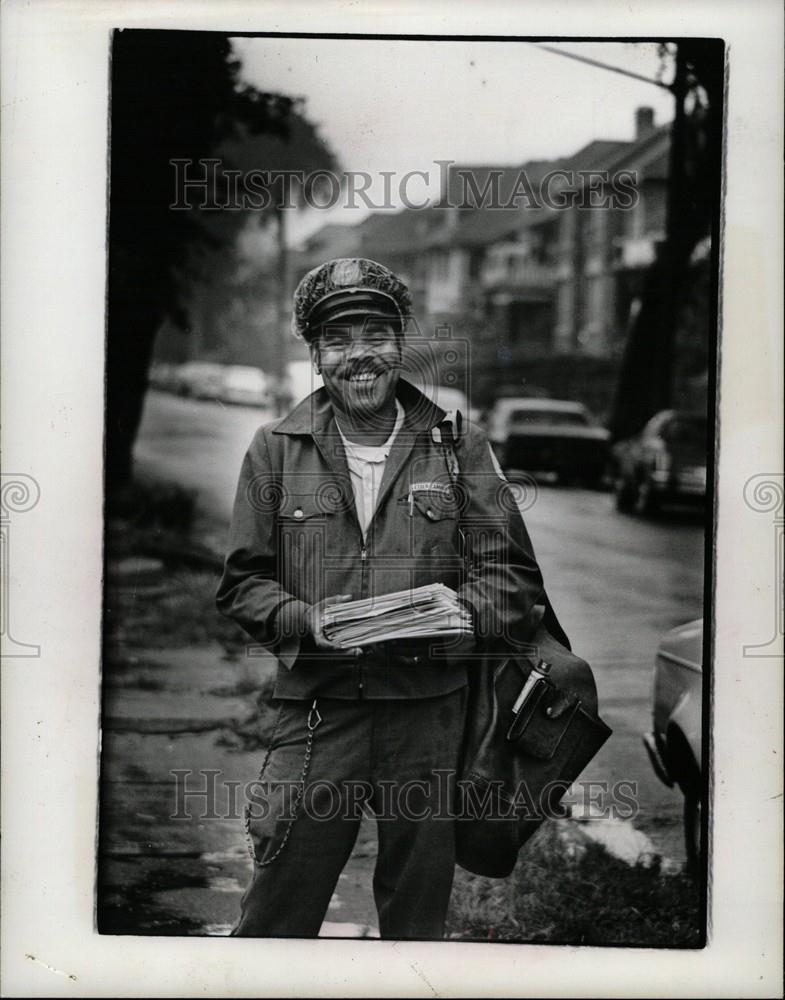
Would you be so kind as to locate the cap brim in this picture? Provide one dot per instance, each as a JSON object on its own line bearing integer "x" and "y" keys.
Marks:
{"x": 349, "y": 304}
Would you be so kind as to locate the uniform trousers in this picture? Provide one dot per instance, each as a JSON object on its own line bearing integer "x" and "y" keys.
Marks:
{"x": 398, "y": 759}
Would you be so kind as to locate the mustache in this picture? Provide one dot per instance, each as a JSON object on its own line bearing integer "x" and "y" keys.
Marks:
{"x": 374, "y": 366}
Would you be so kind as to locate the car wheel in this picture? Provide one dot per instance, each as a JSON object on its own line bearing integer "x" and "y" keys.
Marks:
{"x": 625, "y": 495}
{"x": 689, "y": 782}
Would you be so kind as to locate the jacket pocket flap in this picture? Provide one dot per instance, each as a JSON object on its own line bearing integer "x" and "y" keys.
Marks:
{"x": 296, "y": 509}
{"x": 436, "y": 506}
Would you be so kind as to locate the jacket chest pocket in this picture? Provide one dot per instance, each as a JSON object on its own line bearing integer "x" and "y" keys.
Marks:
{"x": 303, "y": 530}
{"x": 315, "y": 556}
{"x": 434, "y": 524}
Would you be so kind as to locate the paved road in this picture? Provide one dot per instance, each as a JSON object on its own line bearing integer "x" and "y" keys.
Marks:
{"x": 617, "y": 582}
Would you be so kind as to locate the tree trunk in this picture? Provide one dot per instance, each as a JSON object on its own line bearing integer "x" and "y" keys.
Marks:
{"x": 132, "y": 327}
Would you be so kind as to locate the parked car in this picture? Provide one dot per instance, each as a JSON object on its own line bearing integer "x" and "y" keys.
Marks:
{"x": 665, "y": 463}
{"x": 549, "y": 435}
{"x": 446, "y": 396}
{"x": 162, "y": 375}
{"x": 245, "y": 385}
{"x": 199, "y": 380}
{"x": 299, "y": 381}
{"x": 674, "y": 743}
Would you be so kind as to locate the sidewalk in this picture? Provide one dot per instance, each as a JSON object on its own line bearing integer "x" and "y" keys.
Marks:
{"x": 165, "y": 865}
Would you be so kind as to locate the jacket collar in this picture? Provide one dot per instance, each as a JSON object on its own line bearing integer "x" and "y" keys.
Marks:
{"x": 314, "y": 416}
{"x": 315, "y": 413}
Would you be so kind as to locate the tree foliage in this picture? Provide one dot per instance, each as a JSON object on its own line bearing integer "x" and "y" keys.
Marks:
{"x": 174, "y": 95}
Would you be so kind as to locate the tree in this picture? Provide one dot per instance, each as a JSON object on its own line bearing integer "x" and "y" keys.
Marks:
{"x": 175, "y": 96}
{"x": 302, "y": 153}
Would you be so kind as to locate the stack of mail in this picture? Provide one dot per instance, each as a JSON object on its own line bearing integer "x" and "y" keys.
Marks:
{"x": 432, "y": 611}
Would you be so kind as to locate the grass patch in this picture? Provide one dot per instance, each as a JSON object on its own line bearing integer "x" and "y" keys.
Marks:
{"x": 179, "y": 612}
{"x": 152, "y": 505}
{"x": 137, "y": 681}
{"x": 184, "y": 614}
{"x": 589, "y": 898}
{"x": 256, "y": 733}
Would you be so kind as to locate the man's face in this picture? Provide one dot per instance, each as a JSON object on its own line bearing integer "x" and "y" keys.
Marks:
{"x": 360, "y": 361}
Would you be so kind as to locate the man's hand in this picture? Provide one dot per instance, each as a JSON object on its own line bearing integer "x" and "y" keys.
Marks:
{"x": 313, "y": 622}
{"x": 460, "y": 648}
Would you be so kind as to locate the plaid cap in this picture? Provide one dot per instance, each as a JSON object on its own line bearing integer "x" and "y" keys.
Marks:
{"x": 348, "y": 286}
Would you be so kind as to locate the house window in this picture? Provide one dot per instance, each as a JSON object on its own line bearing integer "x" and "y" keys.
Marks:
{"x": 440, "y": 265}
{"x": 634, "y": 220}
{"x": 655, "y": 206}
{"x": 593, "y": 337}
{"x": 596, "y": 302}
{"x": 567, "y": 229}
{"x": 565, "y": 316}
{"x": 596, "y": 226}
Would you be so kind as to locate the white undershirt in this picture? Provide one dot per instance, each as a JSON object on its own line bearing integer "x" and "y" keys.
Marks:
{"x": 366, "y": 468}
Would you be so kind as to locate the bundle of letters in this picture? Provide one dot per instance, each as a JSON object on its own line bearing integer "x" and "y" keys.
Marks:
{"x": 426, "y": 612}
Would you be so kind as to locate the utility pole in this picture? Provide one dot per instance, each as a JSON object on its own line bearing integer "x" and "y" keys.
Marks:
{"x": 647, "y": 378}
{"x": 677, "y": 247}
{"x": 281, "y": 307}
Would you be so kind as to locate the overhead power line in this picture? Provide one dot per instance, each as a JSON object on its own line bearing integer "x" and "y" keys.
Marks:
{"x": 602, "y": 65}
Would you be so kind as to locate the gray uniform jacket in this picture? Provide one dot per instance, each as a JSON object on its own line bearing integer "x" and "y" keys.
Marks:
{"x": 295, "y": 539}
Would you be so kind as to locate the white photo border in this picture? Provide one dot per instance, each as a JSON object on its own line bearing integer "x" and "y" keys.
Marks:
{"x": 55, "y": 76}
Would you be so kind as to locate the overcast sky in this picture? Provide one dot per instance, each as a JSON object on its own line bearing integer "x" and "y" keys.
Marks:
{"x": 400, "y": 106}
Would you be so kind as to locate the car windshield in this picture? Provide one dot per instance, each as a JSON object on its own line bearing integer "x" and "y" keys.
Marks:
{"x": 549, "y": 418}
{"x": 685, "y": 430}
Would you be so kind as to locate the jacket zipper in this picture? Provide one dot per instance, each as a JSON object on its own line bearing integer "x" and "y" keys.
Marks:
{"x": 363, "y": 559}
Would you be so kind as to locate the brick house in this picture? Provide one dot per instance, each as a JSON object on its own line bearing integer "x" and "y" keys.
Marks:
{"x": 334, "y": 239}
{"x": 396, "y": 239}
{"x": 475, "y": 250}
{"x": 526, "y": 283}
{"x": 549, "y": 281}
{"x": 603, "y": 252}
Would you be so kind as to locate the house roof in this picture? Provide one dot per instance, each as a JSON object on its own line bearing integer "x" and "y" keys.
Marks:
{"x": 482, "y": 226}
{"x": 596, "y": 154}
{"x": 400, "y": 232}
{"x": 468, "y": 182}
{"x": 335, "y": 235}
{"x": 472, "y": 221}
{"x": 467, "y": 224}
{"x": 649, "y": 154}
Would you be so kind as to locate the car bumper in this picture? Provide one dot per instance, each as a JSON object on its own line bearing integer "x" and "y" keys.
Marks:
{"x": 552, "y": 456}
{"x": 654, "y": 750}
{"x": 683, "y": 487}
